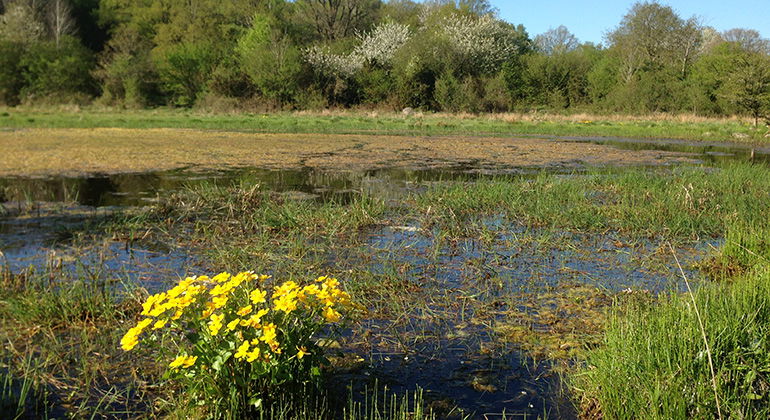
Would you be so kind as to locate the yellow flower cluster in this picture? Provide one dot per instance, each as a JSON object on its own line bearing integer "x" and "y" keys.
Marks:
{"x": 328, "y": 294}
{"x": 183, "y": 361}
{"x": 131, "y": 338}
{"x": 232, "y": 308}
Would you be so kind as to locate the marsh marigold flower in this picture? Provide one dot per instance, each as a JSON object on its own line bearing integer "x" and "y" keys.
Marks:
{"x": 331, "y": 315}
{"x": 286, "y": 303}
{"x": 301, "y": 352}
{"x": 253, "y": 355}
{"x": 183, "y": 361}
{"x": 244, "y": 311}
{"x": 221, "y": 277}
{"x": 258, "y": 296}
{"x": 285, "y": 288}
{"x": 215, "y": 324}
{"x": 129, "y": 340}
{"x": 220, "y": 301}
{"x": 243, "y": 350}
{"x": 233, "y": 324}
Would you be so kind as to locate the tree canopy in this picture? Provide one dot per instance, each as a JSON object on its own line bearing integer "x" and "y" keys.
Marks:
{"x": 454, "y": 55}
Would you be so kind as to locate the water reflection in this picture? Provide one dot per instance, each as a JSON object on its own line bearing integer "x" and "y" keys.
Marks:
{"x": 707, "y": 152}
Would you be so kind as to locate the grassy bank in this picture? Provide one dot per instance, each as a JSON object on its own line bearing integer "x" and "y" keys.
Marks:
{"x": 688, "y": 356}
{"x": 656, "y": 126}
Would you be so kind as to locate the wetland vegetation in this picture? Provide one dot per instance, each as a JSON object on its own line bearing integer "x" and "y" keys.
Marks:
{"x": 522, "y": 227}
{"x": 537, "y": 294}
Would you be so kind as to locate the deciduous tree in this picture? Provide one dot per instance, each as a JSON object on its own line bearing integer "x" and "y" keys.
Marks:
{"x": 556, "y": 41}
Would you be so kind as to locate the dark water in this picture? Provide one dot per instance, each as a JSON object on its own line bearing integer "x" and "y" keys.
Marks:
{"x": 510, "y": 268}
{"x": 138, "y": 189}
{"x": 40, "y": 218}
{"x": 706, "y": 152}
{"x": 145, "y": 188}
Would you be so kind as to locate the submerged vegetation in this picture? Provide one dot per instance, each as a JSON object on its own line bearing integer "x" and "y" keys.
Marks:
{"x": 527, "y": 274}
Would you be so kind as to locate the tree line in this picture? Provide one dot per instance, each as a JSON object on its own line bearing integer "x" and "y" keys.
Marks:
{"x": 443, "y": 55}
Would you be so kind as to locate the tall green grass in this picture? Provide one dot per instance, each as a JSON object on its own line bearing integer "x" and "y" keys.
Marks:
{"x": 70, "y": 326}
{"x": 745, "y": 246}
{"x": 684, "y": 202}
{"x": 654, "y": 362}
{"x": 20, "y": 395}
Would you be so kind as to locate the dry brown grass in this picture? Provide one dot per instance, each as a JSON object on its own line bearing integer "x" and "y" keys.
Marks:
{"x": 534, "y": 116}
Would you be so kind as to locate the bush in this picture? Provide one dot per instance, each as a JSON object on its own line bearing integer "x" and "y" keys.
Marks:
{"x": 376, "y": 86}
{"x": 270, "y": 59}
{"x": 127, "y": 73}
{"x": 236, "y": 349}
{"x": 11, "y": 80}
{"x": 184, "y": 70}
{"x": 497, "y": 97}
{"x": 447, "y": 93}
{"x": 49, "y": 70}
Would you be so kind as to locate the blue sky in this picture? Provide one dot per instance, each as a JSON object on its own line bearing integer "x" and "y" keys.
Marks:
{"x": 590, "y": 20}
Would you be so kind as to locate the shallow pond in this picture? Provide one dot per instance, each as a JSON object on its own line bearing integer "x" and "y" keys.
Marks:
{"x": 458, "y": 347}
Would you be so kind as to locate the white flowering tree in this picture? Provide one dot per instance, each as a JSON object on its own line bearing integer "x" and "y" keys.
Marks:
{"x": 481, "y": 44}
{"x": 376, "y": 48}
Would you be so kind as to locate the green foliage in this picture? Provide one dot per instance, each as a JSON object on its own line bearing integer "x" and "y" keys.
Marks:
{"x": 497, "y": 97}
{"x": 654, "y": 363}
{"x": 126, "y": 72}
{"x": 11, "y": 80}
{"x": 51, "y": 70}
{"x": 442, "y": 55}
{"x": 708, "y": 79}
{"x": 270, "y": 60}
{"x": 602, "y": 79}
{"x": 376, "y": 86}
{"x": 749, "y": 84}
{"x": 512, "y": 73}
{"x": 184, "y": 70}
{"x": 448, "y": 93}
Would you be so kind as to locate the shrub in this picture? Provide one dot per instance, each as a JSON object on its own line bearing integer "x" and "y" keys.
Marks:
{"x": 184, "y": 70}
{"x": 11, "y": 80}
{"x": 126, "y": 72}
{"x": 270, "y": 60}
{"x": 51, "y": 70}
{"x": 496, "y": 95}
{"x": 447, "y": 93}
{"x": 237, "y": 349}
{"x": 376, "y": 85}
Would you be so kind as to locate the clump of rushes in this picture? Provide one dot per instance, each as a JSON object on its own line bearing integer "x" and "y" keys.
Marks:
{"x": 236, "y": 346}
